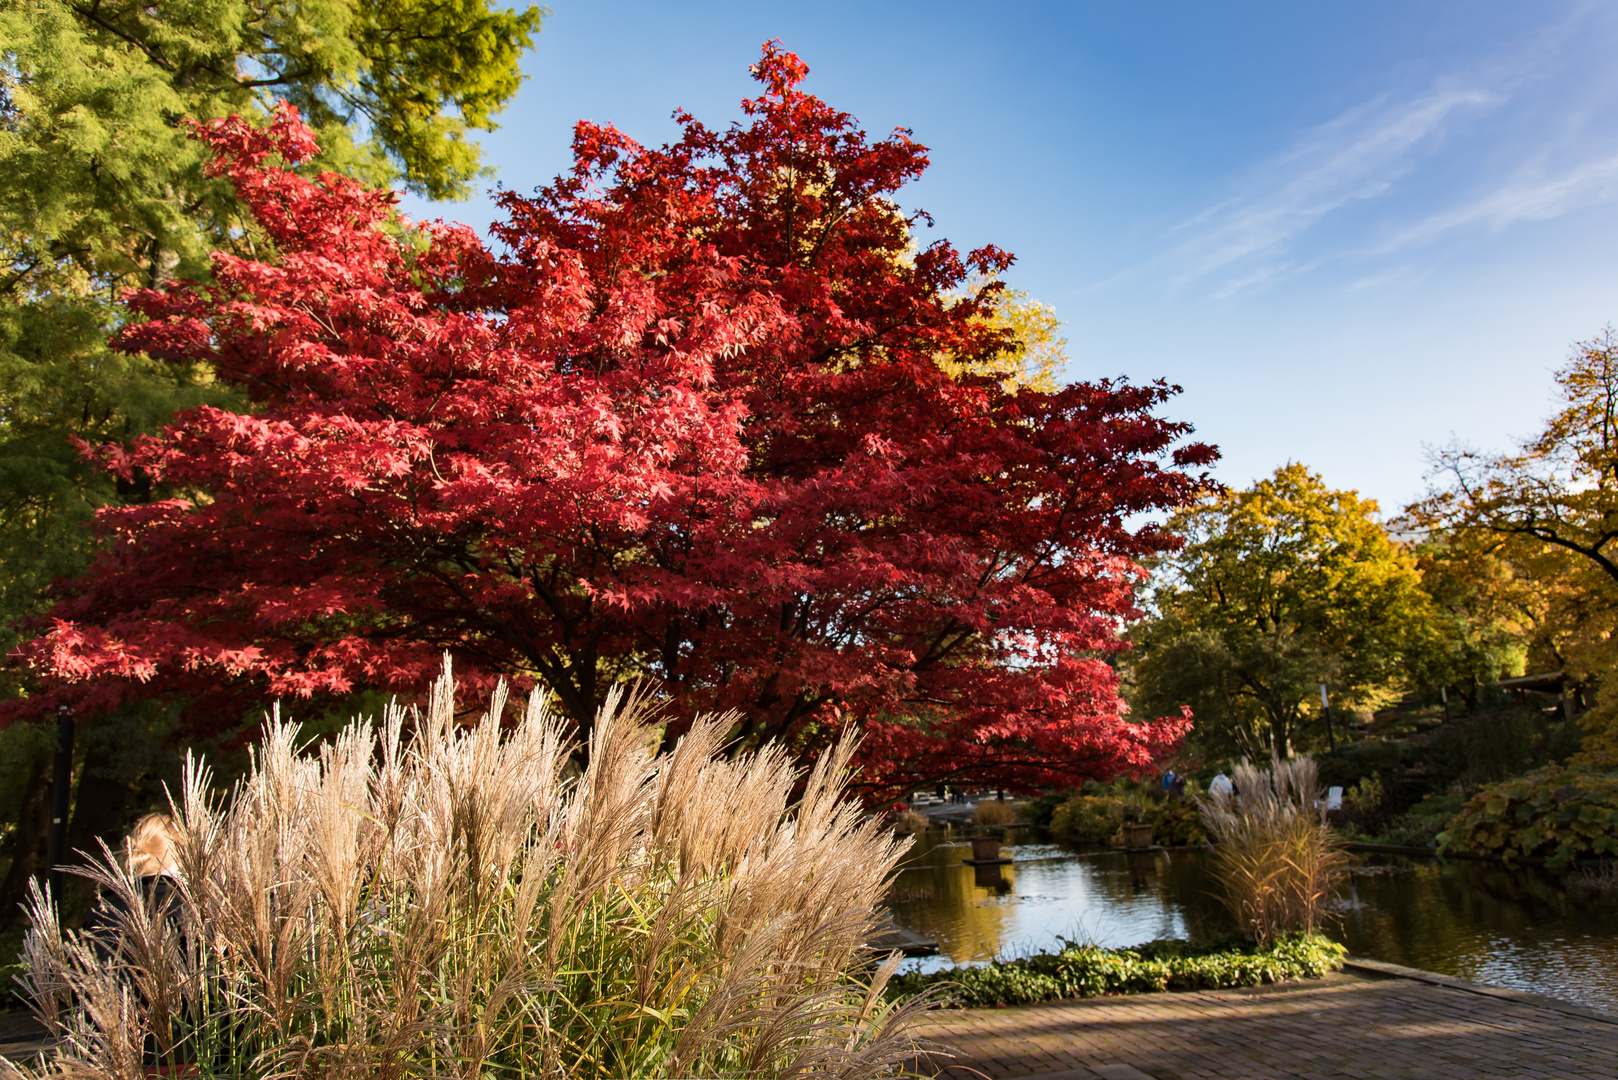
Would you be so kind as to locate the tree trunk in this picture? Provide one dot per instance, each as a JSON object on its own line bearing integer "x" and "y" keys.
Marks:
{"x": 28, "y": 843}
{"x": 1280, "y": 738}
{"x": 100, "y": 810}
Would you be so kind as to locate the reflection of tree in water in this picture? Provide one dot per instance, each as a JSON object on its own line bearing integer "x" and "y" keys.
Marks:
{"x": 1512, "y": 925}
{"x": 955, "y": 915}
{"x": 1188, "y": 885}
{"x": 1463, "y": 917}
{"x": 977, "y": 913}
{"x": 992, "y": 878}
{"x": 1405, "y": 918}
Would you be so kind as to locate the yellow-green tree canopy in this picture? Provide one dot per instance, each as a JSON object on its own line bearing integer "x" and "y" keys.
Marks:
{"x": 1487, "y": 611}
{"x": 1551, "y": 505}
{"x": 1036, "y": 351}
{"x": 1279, "y": 588}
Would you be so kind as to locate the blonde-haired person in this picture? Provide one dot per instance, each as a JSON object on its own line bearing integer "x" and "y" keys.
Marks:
{"x": 150, "y": 857}
{"x": 138, "y": 929}
{"x": 150, "y": 847}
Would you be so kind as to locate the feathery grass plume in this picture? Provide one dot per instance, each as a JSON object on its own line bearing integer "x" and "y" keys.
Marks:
{"x": 1277, "y": 861}
{"x": 911, "y": 822}
{"x": 422, "y": 899}
{"x": 1598, "y": 880}
{"x": 994, "y": 812}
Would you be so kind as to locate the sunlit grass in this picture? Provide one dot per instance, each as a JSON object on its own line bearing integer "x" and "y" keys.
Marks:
{"x": 994, "y": 812}
{"x": 1277, "y": 862}
{"x": 422, "y": 899}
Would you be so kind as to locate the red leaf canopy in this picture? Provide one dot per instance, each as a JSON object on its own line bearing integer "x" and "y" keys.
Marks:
{"x": 688, "y": 422}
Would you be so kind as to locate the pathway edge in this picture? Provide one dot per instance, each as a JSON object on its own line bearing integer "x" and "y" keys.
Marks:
{"x": 1522, "y": 997}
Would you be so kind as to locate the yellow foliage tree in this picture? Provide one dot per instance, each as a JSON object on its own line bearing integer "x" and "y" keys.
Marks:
{"x": 1279, "y": 588}
{"x": 1036, "y": 350}
{"x": 1488, "y": 612}
{"x": 1553, "y": 505}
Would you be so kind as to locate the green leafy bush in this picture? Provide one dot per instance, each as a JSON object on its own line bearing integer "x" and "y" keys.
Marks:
{"x": 1090, "y": 971}
{"x": 1365, "y": 807}
{"x": 1558, "y": 813}
{"x": 1422, "y": 824}
{"x": 1094, "y": 818}
{"x": 1366, "y": 758}
{"x": 1470, "y": 751}
{"x": 1041, "y": 810}
{"x": 1091, "y": 819}
{"x": 1176, "y": 823}
{"x": 1496, "y": 745}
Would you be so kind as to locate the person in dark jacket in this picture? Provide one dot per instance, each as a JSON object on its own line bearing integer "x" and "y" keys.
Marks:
{"x": 121, "y": 936}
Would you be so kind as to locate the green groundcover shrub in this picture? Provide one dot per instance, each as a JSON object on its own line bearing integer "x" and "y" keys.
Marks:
{"x": 1095, "y": 819}
{"x": 1423, "y": 823}
{"x": 1558, "y": 813}
{"x": 1176, "y": 823}
{"x": 1091, "y": 819}
{"x": 1090, "y": 971}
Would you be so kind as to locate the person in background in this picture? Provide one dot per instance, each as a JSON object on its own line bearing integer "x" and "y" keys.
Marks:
{"x": 121, "y": 936}
{"x": 1220, "y": 787}
{"x": 152, "y": 862}
{"x": 151, "y": 847}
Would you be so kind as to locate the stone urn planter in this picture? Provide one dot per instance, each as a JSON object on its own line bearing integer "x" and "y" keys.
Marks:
{"x": 1138, "y": 836}
{"x": 985, "y": 848}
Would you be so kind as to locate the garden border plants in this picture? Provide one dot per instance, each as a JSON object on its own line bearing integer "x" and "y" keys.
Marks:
{"x": 1083, "y": 970}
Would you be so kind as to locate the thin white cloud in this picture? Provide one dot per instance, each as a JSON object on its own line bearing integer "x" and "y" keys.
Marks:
{"x": 1403, "y": 275}
{"x": 1358, "y": 155}
{"x": 1279, "y": 223}
{"x": 1534, "y": 197}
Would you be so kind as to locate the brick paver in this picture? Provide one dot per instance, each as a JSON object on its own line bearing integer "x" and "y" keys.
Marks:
{"x": 1341, "y": 1027}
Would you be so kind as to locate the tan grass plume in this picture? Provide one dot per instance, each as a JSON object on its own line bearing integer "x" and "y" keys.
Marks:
{"x": 418, "y": 898}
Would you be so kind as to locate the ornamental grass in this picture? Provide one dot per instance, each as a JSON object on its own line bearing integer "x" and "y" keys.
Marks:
{"x": 911, "y": 822}
{"x": 994, "y": 812}
{"x": 1276, "y": 861}
{"x": 425, "y": 899}
{"x": 1600, "y": 880}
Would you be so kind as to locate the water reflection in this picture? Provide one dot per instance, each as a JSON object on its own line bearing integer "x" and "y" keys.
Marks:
{"x": 1511, "y": 927}
{"x": 979, "y": 913}
{"x": 992, "y": 878}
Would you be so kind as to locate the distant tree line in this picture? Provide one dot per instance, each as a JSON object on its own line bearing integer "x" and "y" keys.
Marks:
{"x": 1508, "y": 565}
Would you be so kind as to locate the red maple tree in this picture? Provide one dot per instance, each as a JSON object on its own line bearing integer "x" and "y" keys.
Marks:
{"x": 689, "y": 421}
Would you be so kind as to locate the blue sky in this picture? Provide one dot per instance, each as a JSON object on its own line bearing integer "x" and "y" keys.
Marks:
{"x": 1350, "y": 232}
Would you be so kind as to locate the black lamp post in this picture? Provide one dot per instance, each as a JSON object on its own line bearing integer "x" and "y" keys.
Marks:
{"x": 61, "y": 783}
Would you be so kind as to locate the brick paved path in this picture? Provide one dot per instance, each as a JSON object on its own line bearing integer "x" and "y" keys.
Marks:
{"x": 1345, "y": 1026}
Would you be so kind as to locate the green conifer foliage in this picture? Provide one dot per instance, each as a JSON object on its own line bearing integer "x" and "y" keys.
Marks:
{"x": 101, "y": 190}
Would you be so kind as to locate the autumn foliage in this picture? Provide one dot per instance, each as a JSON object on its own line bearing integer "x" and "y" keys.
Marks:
{"x": 700, "y": 416}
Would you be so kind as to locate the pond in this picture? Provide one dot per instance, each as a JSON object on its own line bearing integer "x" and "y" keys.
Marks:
{"x": 1515, "y": 927}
